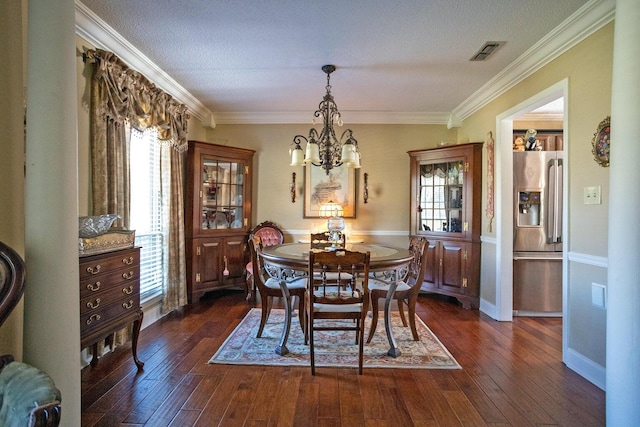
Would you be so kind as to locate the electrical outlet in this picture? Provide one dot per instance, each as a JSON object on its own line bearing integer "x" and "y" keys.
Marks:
{"x": 592, "y": 195}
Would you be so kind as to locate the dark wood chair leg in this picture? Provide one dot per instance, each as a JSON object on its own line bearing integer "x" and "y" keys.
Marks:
{"x": 412, "y": 318}
{"x": 374, "y": 316}
{"x": 266, "y": 308}
{"x": 400, "y": 302}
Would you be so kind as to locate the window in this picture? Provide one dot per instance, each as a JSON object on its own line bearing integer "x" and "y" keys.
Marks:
{"x": 146, "y": 210}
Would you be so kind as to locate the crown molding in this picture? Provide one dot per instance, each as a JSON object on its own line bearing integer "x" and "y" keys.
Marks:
{"x": 94, "y": 30}
{"x": 584, "y": 22}
{"x": 351, "y": 117}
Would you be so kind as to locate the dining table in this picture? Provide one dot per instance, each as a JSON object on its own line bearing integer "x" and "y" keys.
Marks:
{"x": 290, "y": 261}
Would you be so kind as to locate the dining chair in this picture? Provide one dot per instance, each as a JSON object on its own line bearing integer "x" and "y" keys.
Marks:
{"x": 320, "y": 240}
{"x": 270, "y": 234}
{"x": 407, "y": 290}
{"x": 269, "y": 287}
{"x": 342, "y": 293}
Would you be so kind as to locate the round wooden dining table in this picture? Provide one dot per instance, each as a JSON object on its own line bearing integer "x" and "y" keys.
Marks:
{"x": 291, "y": 260}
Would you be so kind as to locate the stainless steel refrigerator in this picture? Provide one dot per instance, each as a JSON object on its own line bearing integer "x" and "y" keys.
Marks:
{"x": 537, "y": 235}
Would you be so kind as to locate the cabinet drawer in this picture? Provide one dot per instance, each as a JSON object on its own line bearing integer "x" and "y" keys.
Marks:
{"x": 123, "y": 278}
{"x": 93, "y": 266}
{"x": 104, "y": 316}
{"x": 98, "y": 300}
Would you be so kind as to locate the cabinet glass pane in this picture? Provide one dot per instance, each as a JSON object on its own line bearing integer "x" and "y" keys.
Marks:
{"x": 440, "y": 197}
{"x": 222, "y": 184}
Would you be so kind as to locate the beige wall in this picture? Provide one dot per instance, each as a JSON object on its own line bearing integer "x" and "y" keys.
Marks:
{"x": 588, "y": 67}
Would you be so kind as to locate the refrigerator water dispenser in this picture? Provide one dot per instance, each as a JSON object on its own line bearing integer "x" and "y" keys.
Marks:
{"x": 528, "y": 209}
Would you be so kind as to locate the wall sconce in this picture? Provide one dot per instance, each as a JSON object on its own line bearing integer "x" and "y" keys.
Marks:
{"x": 292, "y": 187}
{"x": 366, "y": 187}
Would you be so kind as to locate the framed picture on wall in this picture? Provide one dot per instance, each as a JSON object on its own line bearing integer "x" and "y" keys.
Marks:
{"x": 338, "y": 187}
{"x": 601, "y": 142}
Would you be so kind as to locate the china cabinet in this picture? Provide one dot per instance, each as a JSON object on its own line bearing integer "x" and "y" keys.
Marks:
{"x": 217, "y": 217}
{"x": 446, "y": 209}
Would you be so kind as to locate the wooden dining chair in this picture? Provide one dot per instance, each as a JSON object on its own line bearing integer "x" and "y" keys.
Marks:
{"x": 270, "y": 234}
{"x": 342, "y": 293}
{"x": 269, "y": 287}
{"x": 407, "y": 290}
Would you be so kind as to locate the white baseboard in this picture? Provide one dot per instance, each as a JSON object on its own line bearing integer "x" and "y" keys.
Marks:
{"x": 489, "y": 309}
{"x": 586, "y": 368}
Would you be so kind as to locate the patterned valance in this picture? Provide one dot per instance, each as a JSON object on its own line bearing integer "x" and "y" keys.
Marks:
{"x": 121, "y": 94}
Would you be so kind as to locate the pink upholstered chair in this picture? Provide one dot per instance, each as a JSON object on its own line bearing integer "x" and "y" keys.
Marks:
{"x": 270, "y": 234}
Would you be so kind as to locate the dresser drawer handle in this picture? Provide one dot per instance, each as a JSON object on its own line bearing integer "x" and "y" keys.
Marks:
{"x": 128, "y": 261}
{"x": 128, "y": 290}
{"x": 128, "y": 275}
{"x": 94, "y": 270}
{"x": 94, "y": 305}
{"x": 93, "y": 317}
{"x": 127, "y": 305}
{"x": 93, "y": 287}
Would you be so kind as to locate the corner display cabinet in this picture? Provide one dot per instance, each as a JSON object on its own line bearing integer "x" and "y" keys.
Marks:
{"x": 217, "y": 217}
{"x": 446, "y": 209}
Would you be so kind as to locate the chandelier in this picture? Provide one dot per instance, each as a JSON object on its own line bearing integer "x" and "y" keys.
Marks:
{"x": 324, "y": 149}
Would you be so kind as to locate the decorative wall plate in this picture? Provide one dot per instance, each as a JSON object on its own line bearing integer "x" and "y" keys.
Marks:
{"x": 601, "y": 143}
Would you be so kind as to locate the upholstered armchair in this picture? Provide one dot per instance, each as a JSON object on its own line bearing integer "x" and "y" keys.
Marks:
{"x": 270, "y": 234}
{"x": 28, "y": 396}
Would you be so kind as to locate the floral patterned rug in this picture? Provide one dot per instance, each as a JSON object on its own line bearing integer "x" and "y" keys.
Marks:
{"x": 332, "y": 348}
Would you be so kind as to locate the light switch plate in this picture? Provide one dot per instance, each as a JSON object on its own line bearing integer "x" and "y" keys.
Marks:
{"x": 592, "y": 195}
{"x": 598, "y": 295}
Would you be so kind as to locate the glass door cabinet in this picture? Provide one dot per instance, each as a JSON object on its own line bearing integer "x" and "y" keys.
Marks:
{"x": 217, "y": 217}
{"x": 446, "y": 209}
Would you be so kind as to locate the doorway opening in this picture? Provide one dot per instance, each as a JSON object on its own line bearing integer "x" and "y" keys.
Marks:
{"x": 505, "y": 198}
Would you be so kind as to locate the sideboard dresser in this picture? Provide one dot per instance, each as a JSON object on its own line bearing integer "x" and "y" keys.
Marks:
{"x": 110, "y": 298}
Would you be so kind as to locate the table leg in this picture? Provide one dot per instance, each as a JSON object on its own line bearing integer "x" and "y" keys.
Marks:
{"x": 394, "y": 351}
{"x": 282, "y": 349}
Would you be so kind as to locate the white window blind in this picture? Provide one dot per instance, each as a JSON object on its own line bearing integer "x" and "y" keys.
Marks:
{"x": 146, "y": 210}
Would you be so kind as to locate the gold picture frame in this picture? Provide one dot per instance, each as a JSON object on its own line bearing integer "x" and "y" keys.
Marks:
{"x": 338, "y": 187}
{"x": 601, "y": 143}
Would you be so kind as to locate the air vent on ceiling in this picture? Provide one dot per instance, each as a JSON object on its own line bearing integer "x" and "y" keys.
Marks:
{"x": 486, "y": 50}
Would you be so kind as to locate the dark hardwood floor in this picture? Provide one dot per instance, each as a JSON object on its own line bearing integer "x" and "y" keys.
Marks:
{"x": 512, "y": 376}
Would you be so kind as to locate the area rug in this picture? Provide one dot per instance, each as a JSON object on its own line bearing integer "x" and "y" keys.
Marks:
{"x": 333, "y": 348}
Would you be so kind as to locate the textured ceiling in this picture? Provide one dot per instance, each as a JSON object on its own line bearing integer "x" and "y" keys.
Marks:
{"x": 265, "y": 56}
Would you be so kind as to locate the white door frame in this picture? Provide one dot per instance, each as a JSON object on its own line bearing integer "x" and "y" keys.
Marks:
{"x": 504, "y": 198}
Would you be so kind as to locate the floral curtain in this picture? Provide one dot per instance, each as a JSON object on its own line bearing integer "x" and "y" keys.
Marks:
{"x": 121, "y": 96}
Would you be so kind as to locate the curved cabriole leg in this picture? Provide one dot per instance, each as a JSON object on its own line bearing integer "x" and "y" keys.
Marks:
{"x": 266, "y": 303}
{"x": 282, "y": 349}
{"x": 401, "y": 311}
{"x": 301, "y": 313}
{"x": 394, "y": 351}
{"x": 137, "y": 324}
{"x": 249, "y": 291}
{"x": 412, "y": 317}
{"x": 374, "y": 316}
